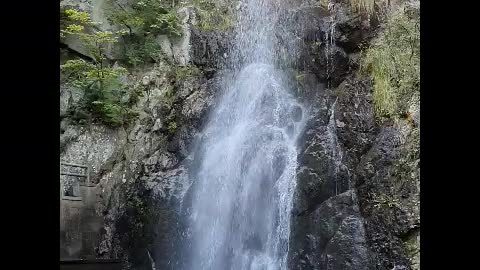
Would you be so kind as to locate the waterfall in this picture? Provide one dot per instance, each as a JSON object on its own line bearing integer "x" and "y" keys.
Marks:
{"x": 244, "y": 184}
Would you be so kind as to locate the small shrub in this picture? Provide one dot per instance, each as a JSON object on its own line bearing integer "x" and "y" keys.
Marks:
{"x": 140, "y": 49}
{"x": 146, "y": 17}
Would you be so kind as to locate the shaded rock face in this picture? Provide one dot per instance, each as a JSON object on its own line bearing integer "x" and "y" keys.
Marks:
{"x": 334, "y": 236}
{"x": 210, "y": 49}
{"x": 378, "y": 166}
{"x": 328, "y": 228}
{"x": 388, "y": 188}
{"x": 344, "y": 153}
{"x": 325, "y": 39}
{"x": 160, "y": 168}
{"x": 141, "y": 168}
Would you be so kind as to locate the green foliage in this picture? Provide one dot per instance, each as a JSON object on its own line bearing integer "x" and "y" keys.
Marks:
{"x": 145, "y": 19}
{"x": 73, "y": 21}
{"x": 213, "y": 15}
{"x": 393, "y": 62}
{"x": 104, "y": 96}
{"x": 84, "y": 74}
{"x": 167, "y": 23}
{"x": 78, "y": 16}
{"x": 139, "y": 49}
{"x": 94, "y": 41}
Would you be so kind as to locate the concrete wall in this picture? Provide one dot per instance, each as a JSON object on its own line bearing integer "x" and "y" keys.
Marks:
{"x": 79, "y": 225}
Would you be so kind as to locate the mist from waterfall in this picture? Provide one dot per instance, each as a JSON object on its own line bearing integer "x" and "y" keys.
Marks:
{"x": 244, "y": 184}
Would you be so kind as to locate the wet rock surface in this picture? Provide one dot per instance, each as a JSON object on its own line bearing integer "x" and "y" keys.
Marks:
{"x": 378, "y": 163}
{"x": 137, "y": 169}
{"x": 345, "y": 150}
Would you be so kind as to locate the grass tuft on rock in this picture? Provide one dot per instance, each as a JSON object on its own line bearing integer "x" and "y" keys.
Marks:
{"x": 393, "y": 63}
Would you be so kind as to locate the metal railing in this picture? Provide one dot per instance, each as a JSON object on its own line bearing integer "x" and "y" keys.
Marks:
{"x": 85, "y": 174}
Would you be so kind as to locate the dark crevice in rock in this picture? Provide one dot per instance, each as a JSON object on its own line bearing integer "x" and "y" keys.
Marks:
{"x": 75, "y": 53}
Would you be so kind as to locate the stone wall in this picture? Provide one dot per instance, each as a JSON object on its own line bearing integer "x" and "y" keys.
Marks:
{"x": 80, "y": 225}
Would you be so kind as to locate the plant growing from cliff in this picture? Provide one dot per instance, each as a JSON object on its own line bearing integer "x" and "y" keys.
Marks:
{"x": 147, "y": 17}
{"x": 172, "y": 127}
{"x": 393, "y": 62}
{"x": 103, "y": 90}
{"x": 213, "y": 15}
{"x": 360, "y": 6}
{"x": 72, "y": 20}
{"x": 383, "y": 200}
{"x": 183, "y": 72}
{"x": 144, "y": 20}
{"x": 364, "y": 5}
{"x": 367, "y": 6}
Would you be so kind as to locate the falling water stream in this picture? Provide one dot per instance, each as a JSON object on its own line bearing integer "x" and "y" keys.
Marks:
{"x": 242, "y": 197}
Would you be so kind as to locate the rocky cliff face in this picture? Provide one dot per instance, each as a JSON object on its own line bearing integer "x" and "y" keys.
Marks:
{"x": 357, "y": 199}
{"x": 140, "y": 167}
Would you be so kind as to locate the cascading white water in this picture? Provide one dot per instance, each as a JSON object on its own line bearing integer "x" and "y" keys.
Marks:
{"x": 243, "y": 190}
